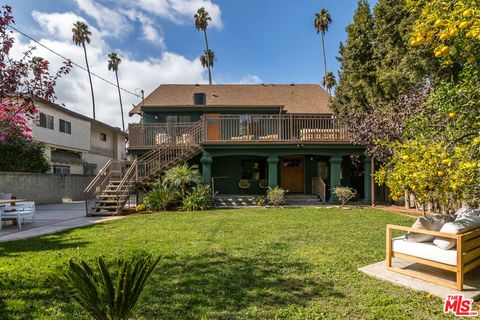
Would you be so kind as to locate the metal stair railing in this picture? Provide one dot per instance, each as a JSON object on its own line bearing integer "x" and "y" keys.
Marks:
{"x": 161, "y": 158}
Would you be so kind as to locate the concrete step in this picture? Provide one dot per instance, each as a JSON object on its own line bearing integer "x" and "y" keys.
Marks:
{"x": 233, "y": 201}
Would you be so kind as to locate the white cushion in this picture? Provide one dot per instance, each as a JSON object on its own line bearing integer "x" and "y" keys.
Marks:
{"x": 467, "y": 213}
{"x": 456, "y": 227}
{"x": 431, "y": 223}
{"x": 425, "y": 250}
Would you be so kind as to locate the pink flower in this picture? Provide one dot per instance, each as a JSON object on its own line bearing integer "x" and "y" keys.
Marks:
{"x": 2, "y": 138}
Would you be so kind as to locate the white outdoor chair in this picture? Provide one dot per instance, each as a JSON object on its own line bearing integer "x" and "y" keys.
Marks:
{"x": 20, "y": 212}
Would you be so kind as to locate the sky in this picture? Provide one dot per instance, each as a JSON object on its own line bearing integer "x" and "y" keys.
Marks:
{"x": 267, "y": 41}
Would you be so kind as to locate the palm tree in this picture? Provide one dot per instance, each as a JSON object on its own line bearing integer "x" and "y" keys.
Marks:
{"x": 113, "y": 63}
{"x": 321, "y": 23}
{"x": 201, "y": 23}
{"x": 81, "y": 35}
{"x": 329, "y": 81}
{"x": 181, "y": 177}
{"x": 102, "y": 294}
{"x": 207, "y": 58}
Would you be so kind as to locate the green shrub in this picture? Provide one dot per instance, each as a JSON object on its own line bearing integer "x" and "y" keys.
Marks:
{"x": 182, "y": 177}
{"x": 103, "y": 294}
{"x": 260, "y": 200}
{"x": 140, "y": 208}
{"x": 160, "y": 198}
{"x": 200, "y": 198}
{"x": 276, "y": 196}
{"x": 21, "y": 155}
{"x": 344, "y": 194}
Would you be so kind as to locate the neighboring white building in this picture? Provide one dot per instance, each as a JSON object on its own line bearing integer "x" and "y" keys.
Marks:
{"x": 76, "y": 144}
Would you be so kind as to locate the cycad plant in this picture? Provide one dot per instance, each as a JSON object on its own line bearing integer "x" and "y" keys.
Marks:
{"x": 103, "y": 295}
{"x": 182, "y": 177}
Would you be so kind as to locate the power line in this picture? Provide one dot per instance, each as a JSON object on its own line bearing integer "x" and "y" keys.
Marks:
{"x": 72, "y": 62}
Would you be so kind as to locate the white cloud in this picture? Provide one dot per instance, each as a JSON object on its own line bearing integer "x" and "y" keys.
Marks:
{"x": 110, "y": 22}
{"x": 179, "y": 11}
{"x": 149, "y": 30}
{"x": 250, "y": 79}
{"x": 59, "y": 26}
{"x": 73, "y": 90}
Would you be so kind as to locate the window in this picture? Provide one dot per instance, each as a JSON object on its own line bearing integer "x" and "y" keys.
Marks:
{"x": 103, "y": 136}
{"x": 199, "y": 98}
{"x": 61, "y": 169}
{"x": 253, "y": 170}
{"x": 292, "y": 163}
{"x": 46, "y": 121}
{"x": 65, "y": 126}
{"x": 173, "y": 119}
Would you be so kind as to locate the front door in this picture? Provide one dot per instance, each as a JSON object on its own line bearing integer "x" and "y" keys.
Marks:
{"x": 293, "y": 174}
{"x": 213, "y": 126}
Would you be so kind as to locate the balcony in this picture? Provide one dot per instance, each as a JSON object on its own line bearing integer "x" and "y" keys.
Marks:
{"x": 242, "y": 129}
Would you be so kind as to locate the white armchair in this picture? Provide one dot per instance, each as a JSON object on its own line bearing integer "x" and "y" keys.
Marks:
{"x": 20, "y": 212}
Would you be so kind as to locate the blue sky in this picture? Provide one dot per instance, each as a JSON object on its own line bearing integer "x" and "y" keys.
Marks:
{"x": 268, "y": 41}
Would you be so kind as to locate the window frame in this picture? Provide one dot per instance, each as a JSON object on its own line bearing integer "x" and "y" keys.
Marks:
{"x": 46, "y": 121}
{"x": 64, "y": 169}
{"x": 67, "y": 126}
{"x": 102, "y": 135}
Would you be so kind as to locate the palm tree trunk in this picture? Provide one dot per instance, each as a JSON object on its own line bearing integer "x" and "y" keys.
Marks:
{"x": 89, "y": 78}
{"x": 324, "y": 58}
{"x": 208, "y": 58}
{"x": 120, "y": 98}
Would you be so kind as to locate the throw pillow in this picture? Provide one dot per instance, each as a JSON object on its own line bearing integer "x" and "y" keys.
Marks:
{"x": 456, "y": 227}
{"x": 431, "y": 223}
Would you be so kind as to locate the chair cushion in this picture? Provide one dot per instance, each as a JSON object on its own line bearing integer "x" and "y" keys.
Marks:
{"x": 5, "y": 196}
{"x": 425, "y": 250}
{"x": 456, "y": 227}
{"x": 467, "y": 212}
{"x": 431, "y": 223}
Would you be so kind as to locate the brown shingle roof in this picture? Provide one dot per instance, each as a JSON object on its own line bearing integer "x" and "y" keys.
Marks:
{"x": 299, "y": 98}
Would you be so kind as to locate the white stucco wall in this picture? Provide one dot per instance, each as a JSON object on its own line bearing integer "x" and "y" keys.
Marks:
{"x": 79, "y": 139}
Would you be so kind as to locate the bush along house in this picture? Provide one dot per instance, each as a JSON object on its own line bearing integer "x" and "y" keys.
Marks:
{"x": 245, "y": 138}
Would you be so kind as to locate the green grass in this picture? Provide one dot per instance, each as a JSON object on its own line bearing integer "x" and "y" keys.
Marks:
{"x": 226, "y": 264}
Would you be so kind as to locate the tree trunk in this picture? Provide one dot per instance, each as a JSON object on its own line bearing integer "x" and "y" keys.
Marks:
{"x": 120, "y": 98}
{"x": 324, "y": 59}
{"x": 89, "y": 78}
{"x": 208, "y": 58}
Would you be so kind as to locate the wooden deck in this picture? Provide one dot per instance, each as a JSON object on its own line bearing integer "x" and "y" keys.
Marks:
{"x": 243, "y": 129}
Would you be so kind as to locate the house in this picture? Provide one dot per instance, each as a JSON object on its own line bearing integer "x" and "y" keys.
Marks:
{"x": 76, "y": 144}
{"x": 245, "y": 138}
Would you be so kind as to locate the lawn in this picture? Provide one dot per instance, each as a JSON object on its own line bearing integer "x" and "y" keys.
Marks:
{"x": 298, "y": 263}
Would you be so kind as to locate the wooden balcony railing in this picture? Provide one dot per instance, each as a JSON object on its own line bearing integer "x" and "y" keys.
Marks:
{"x": 243, "y": 129}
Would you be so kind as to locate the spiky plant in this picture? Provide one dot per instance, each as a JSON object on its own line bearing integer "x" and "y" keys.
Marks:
{"x": 182, "y": 177}
{"x": 105, "y": 295}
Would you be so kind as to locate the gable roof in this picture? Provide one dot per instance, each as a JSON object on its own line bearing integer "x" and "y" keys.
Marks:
{"x": 295, "y": 98}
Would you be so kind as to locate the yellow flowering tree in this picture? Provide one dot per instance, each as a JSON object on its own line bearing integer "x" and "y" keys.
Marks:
{"x": 451, "y": 28}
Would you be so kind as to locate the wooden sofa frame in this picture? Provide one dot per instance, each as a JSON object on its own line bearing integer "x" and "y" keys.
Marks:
{"x": 468, "y": 256}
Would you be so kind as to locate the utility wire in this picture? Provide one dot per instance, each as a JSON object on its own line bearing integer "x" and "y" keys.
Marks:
{"x": 72, "y": 62}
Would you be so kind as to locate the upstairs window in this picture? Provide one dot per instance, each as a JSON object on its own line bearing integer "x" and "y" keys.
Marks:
{"x": 199, "y": 98}
{"x": 46, "y": 121}
{"x": 65, "y": 126}
{"x": 103, "y": 136}
{"x": 173, "y": 119}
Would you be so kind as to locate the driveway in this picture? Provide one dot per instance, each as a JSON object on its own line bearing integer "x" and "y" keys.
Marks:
{"x": 52, "y": 218}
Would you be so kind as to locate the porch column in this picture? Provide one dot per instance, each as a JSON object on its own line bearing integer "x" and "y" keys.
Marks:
{"x": 335, "y": 175}
{"x": 206, "y": 169}
{"x": 272, "y": 171}
{"x": 367, "y": 180}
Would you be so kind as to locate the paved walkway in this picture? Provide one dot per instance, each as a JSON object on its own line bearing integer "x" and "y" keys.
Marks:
{"x": 52, "y": 218}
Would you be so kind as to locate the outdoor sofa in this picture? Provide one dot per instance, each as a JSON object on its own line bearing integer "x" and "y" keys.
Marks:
{"x": 455, "y": 248}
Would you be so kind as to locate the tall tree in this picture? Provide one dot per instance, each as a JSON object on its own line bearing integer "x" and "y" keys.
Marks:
{"x": 329, "y": 81}
{"x": 201, "y": 23}
{"x": 113, "y": 63}
{"x": 321, "y": 23}
{"x": 356, "y": 89}
{"x": 207, "y": 58}
{"x": 81, "y": 35}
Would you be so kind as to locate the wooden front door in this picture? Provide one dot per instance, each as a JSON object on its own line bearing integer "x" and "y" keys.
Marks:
{"x": 213, "y": 122}
{"x": 293, "y": 174}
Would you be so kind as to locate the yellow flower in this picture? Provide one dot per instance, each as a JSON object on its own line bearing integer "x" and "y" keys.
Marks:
{"x": 406, "y": 158}
{"x": 452, "y": 115}
{"x": 453, "y": 32}
{"x": 467, "y": 13}
{"x": 440, "y": 173}
{"x": 471, "y": 58}
{"x": 463, "y": 25}
{"x": 444, "y": 36}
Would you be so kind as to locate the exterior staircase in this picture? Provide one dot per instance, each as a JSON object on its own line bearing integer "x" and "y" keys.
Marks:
{"x": 112, "y": 187}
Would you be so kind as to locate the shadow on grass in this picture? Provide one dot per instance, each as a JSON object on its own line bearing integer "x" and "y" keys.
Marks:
{"x": 217, "y": 284}
{"x": 46, "y": 243}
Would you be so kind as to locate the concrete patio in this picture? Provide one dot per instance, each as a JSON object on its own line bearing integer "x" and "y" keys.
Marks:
{"x": 471, "y": 288}
{"x": 52, "y": 218}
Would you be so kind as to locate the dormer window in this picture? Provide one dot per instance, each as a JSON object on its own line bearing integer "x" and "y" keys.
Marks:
{"x": 199, "y": 98}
